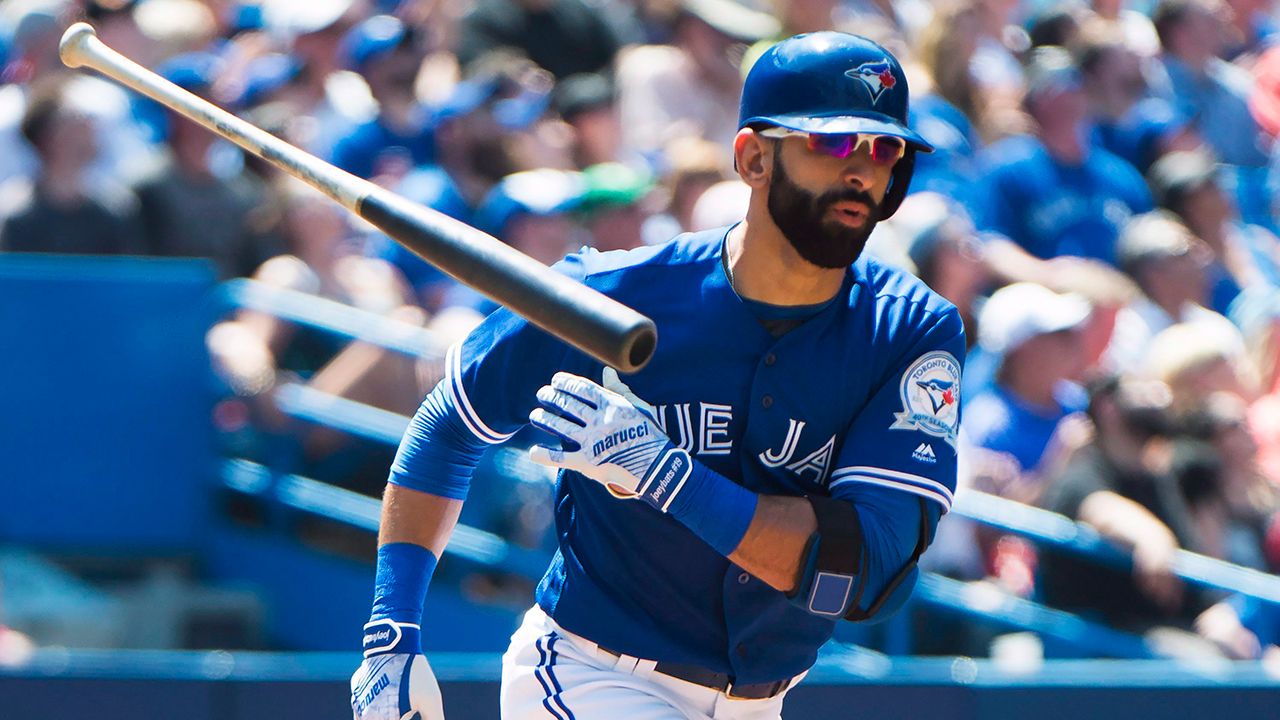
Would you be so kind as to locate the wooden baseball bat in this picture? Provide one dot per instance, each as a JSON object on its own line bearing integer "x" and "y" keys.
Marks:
{"x": 599, "y": 326}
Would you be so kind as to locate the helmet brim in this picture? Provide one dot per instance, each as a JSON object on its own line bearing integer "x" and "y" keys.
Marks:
{"x": 845, "y": 124}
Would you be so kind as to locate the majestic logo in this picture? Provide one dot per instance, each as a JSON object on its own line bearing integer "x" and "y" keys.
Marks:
{"x": 924, "y": 453}
{"x": 930, "y": 392}
{"x": 877, "y": 76}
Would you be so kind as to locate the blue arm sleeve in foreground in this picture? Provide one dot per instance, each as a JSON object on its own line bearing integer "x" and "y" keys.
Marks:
{"x": 438, "y": 452}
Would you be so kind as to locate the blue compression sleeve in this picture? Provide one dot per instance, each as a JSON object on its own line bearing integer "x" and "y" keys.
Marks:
{"x": 399, "y": 590}
{"x": 438, "y": 452}
{"x": 715, "y": 508}
{"x": 400, "y": 582}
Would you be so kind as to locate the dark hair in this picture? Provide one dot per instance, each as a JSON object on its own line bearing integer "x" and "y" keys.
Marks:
{"x": 1143, "y": 419}
{"x": 582, "y": 92}
{"x": 1170, "y": 13}
{"x": 1198, "y": 469}
{"x": 45, "y": 104}
{"x": 98, "y": 11}
{"x": 1056, "y": 26}
{"x": 1206, "y": 422}
{"x": 1092, "y": 51}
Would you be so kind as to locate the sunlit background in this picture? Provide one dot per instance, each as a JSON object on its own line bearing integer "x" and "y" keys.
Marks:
{"x": 205, "y": 366}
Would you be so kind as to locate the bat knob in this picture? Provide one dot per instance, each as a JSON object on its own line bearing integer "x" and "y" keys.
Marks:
{"x": 72, "y": 47}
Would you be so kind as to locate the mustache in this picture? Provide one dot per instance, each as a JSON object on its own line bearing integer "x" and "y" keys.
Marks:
{"x": 846, "y": 194}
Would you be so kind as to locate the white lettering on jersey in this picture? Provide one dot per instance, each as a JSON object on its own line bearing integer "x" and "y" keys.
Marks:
{"x": 819, "y": 461}
{"x": 715, "y": 425}
{"x": 783, "y": 456}
{"x": 683, "y": 437}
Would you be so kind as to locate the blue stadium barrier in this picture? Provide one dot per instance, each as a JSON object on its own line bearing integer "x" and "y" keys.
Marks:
{"x": 106, "y": 445}
{"x": 845, "y": 682}
{"x": 982, "y": 602}
{"x": 1063, "y": 533}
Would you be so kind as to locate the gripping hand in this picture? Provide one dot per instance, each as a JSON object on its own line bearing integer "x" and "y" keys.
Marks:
{"x": 392, "y": 684}
{"x": 618, "y": 443}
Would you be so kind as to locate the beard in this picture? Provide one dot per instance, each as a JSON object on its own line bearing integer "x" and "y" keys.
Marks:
{"x": 800, "y": 214}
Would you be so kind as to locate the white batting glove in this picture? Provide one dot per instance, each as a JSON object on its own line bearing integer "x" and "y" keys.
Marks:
{"x": 392, "y": 685}
{"x": 619, "y": 444}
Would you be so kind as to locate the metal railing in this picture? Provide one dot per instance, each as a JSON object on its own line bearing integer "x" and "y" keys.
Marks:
{"x": 1064, "y": 534}
{"x": 334, "y": 317}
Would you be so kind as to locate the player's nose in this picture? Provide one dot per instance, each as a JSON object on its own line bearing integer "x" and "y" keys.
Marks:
{"x": 859, "y": 170}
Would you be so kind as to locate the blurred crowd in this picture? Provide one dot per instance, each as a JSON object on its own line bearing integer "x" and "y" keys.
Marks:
{"x": 1101, "y": 207}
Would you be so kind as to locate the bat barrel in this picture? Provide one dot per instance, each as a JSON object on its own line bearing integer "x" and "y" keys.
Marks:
{"x": 595, "y": 324}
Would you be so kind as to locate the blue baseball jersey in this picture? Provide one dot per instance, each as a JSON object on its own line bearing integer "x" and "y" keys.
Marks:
{"x": 860, "y": 402}
{"x": 1051, "y": 209}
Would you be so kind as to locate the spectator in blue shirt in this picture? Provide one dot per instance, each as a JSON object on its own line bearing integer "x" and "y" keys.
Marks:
{"x": 948, "y": 110}
{"x": 1187, "y": 183}
{"x": 388, "y": 54}
{"x": 529, "y": 211}
{"x": 1126, "y": 122}
{"x": 477, "y": 127}
{"x": 1211, "y": 91}
{"x": 1056, "y": 193}
{"x": 1035, "y": 334}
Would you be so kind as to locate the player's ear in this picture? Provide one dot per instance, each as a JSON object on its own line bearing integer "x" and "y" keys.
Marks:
{"x": 753, "y": 157}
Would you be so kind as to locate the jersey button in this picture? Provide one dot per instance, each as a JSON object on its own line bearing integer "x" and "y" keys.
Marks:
{"x": 741, "y": 650}
{"x": 770, "y": 359}
{"x": 743, "y": 578}
{"x": 766, "y": 402}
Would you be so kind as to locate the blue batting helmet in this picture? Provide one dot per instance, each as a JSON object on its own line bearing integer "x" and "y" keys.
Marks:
{"x": 832, "y": 82}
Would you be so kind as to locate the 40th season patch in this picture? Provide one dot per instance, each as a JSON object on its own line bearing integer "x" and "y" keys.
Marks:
{"x": 931, "y": 397}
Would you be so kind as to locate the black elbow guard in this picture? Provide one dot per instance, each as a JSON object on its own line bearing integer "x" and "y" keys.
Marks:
{"x": 834, "y": 575}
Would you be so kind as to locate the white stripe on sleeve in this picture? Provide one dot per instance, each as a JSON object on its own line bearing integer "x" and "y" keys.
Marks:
{"x": 916, "y": 484}
{"x": 453, "y": 385}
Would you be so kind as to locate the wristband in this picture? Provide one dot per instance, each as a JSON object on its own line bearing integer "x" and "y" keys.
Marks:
{"x": 399, "y": 590}
{"x": 388, "y": 636}
{"x": 714, "y": 507}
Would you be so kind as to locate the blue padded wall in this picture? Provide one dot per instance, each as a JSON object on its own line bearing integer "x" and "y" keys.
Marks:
{"x": 105, "y": 397}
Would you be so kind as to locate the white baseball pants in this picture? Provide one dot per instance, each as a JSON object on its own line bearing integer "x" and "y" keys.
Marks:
{"x": 551, "y": 674}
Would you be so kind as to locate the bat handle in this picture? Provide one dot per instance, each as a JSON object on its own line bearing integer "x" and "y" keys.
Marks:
{"x": 75, "y": 41}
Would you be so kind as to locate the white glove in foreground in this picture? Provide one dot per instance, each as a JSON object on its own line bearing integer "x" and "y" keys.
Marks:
{"x": 619, "y": 445}
{"x": 393, "y": 685}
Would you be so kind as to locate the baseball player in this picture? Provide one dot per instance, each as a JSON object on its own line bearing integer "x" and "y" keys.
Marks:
{"x": 780, "y": 464}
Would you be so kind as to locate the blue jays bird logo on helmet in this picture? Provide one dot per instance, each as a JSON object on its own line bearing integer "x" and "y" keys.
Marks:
{"x": 876, "y": 75}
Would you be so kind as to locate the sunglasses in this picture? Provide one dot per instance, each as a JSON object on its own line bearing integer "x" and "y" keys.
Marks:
{"x": 885, "y": 149}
